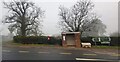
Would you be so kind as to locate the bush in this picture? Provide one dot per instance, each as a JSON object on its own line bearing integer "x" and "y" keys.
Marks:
{"x": 102, "y": 39}
{"x": 37, "y": 40}
{"x": 115, "y": 41}
{"x": 85, "y": 39}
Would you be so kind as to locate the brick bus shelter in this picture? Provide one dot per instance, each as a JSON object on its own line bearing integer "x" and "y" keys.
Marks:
{"x": 71, "y": 39}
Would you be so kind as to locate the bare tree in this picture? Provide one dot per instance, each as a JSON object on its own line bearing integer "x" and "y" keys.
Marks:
{"x": 79, "y": 17}
{"x": 94, "y": 28}
{"x": 24, "y": 18}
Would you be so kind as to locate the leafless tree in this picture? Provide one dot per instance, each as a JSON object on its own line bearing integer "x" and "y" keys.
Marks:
{"x": 79, "y": 18}
{"x": 94, "y": 28}
{"x": 25, "y": 17}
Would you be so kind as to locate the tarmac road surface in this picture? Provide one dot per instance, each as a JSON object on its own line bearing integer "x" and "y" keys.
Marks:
{"x": 51, "y": 53}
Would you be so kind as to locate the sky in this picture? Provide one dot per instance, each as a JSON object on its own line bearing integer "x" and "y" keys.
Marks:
{"x": 107, "y": 10}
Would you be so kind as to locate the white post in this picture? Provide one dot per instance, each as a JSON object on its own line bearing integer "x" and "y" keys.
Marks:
{"x": 94, "y": 41}
{"x": 99, "y": 38}
{"x": 64, "y": 38}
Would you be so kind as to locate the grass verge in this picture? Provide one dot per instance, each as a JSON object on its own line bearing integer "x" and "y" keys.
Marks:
{"x": 11, "y": 43}
{"x": 106, "y": 47}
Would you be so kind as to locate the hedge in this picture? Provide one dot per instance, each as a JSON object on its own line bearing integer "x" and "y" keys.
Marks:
{"x": 37, "y": 40}
{"x": 115, "y": 41}
{"x": 44, "y": 40}
{"x": 87, "y": 39}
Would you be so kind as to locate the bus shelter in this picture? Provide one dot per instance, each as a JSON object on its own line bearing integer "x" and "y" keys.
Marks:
{"x": 71, "y": 39}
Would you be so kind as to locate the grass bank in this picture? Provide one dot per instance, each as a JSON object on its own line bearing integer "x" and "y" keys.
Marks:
{"x": 106, "y": 47}
{"x": 11, "y": 43}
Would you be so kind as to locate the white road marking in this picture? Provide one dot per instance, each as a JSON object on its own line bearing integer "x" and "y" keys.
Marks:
{"x": 66, "y": 53}
{"x": 111, "y": 54}
{"x": 115, "y": 55}
{"x": 92, "y": 59}
{"x": 23, "y": 51}
{"x": 85, "y": 59}
{"x": 6, "y": 51}
{"x": 43, "y": 52}
{"x": 90, "y": 54}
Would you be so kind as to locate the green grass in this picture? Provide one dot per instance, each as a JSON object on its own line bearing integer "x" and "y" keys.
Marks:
{"x": 106, "y": 47}
{"x": 19, "y": 44}
{"x": 11, "y": 43}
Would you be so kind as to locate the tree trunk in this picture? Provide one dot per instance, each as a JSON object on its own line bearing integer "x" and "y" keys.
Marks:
{"x": 23, "y": 32}
{"x": 23, "y": 27}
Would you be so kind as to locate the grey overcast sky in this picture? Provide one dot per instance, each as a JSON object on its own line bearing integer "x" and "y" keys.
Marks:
{"x": 107, "y": 10}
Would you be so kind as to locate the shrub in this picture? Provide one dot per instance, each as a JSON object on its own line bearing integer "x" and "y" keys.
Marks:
{"x": 115, "y": 41}
{"x": 37, "y": 40}
{"x": 102, "y": 39}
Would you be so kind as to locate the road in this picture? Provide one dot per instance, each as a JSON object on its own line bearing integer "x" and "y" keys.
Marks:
{"x": 54, "y": 53}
